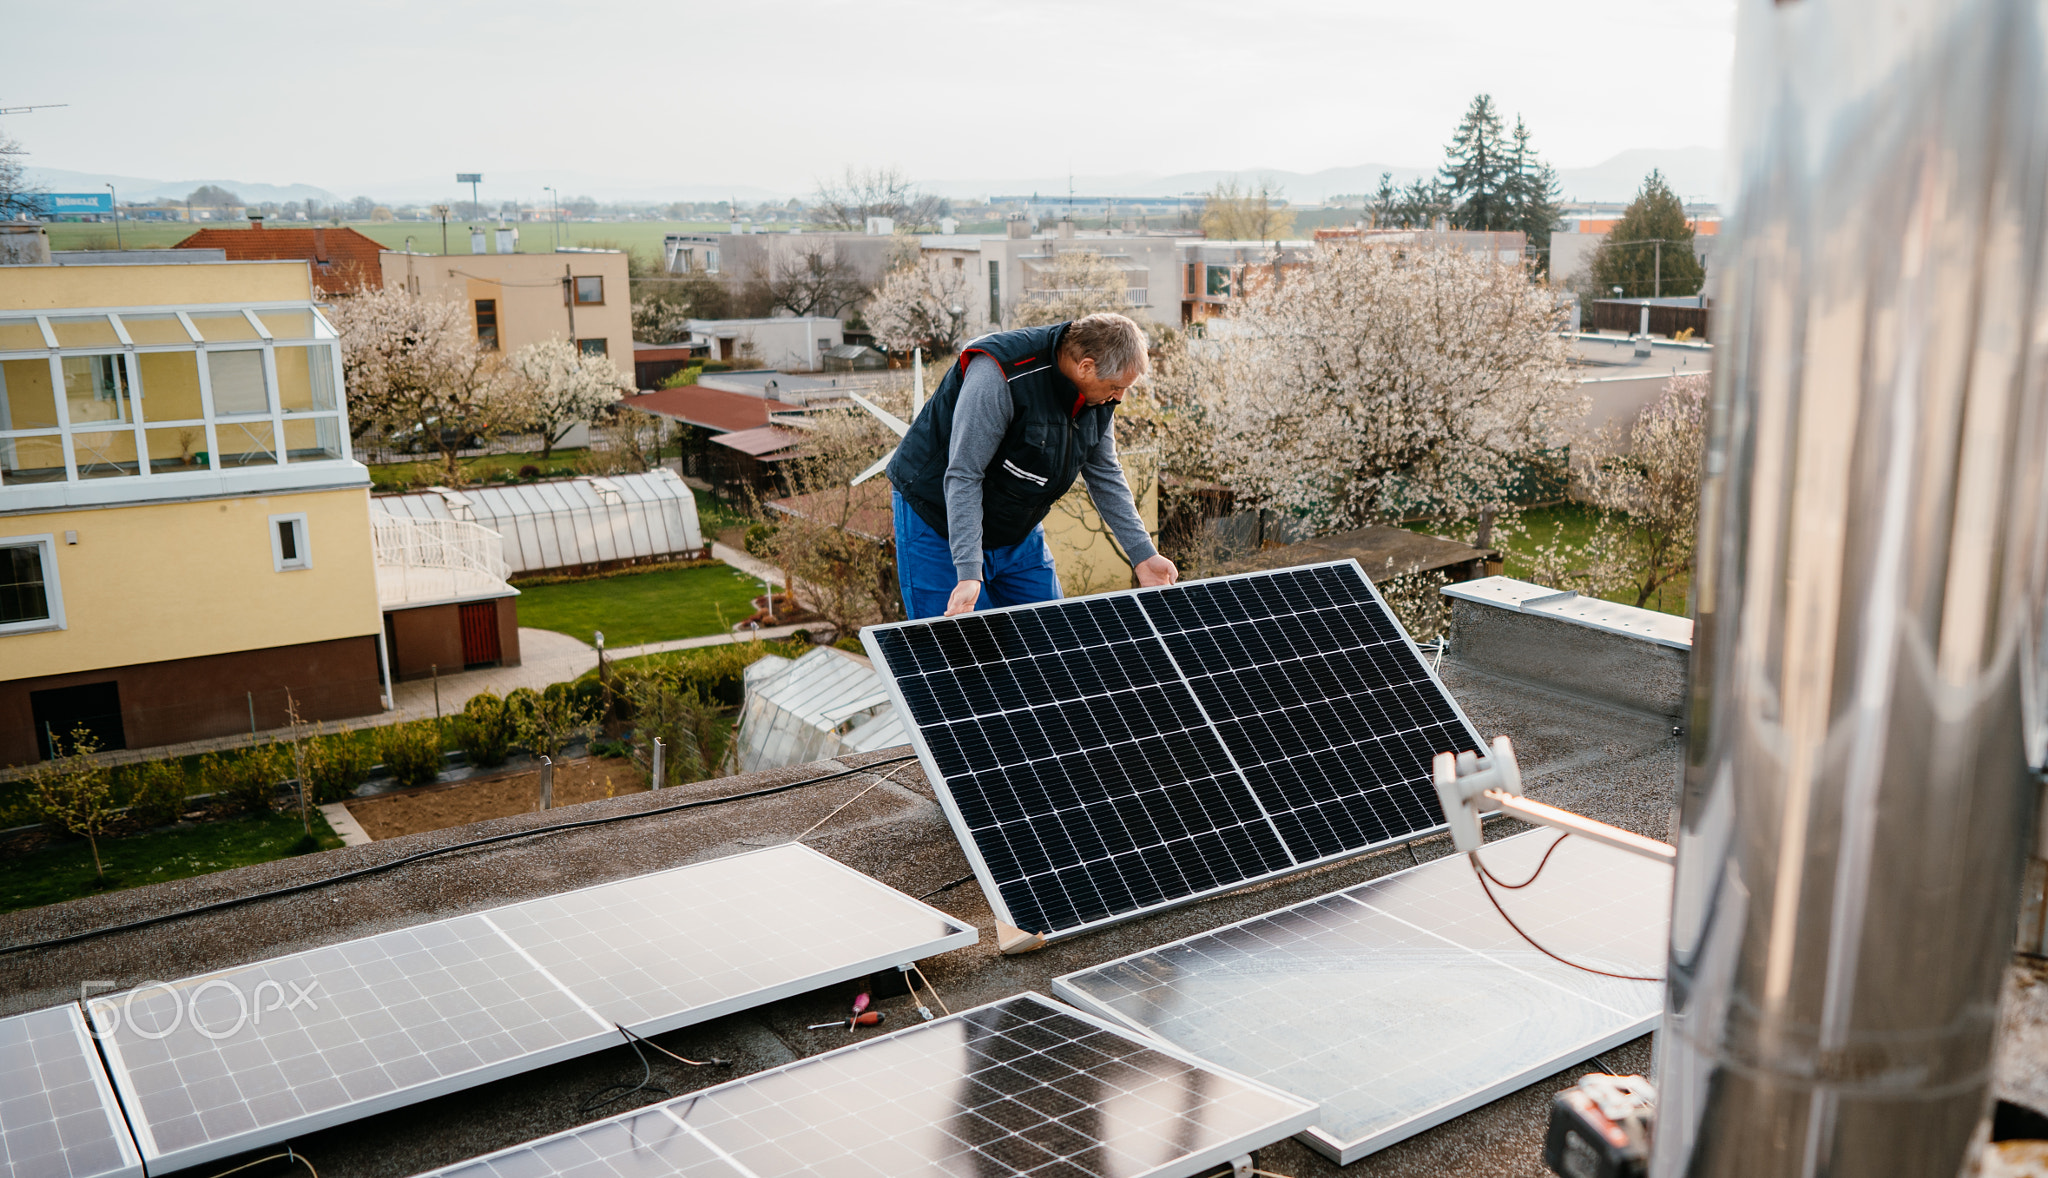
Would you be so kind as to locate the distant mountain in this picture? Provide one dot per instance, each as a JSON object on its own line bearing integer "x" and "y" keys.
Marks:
{"x": 1694, "y": 173}
{"x": 137, "y": 188}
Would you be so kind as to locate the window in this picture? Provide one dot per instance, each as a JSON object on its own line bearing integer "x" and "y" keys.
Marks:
{"x": 29, "y": 598}
{"x": 288, "y": 547}
{"x": 487, "y": 324}
{"x": 1219, "y": 282}
{"x": 995, "y": 294}
{"x": 589, "y": 291}
{"x": 594, "y": 347}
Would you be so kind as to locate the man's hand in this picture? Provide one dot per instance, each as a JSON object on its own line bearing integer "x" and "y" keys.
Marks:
{"x": 965, "y": 595}
{"x": 1156, "y": 570}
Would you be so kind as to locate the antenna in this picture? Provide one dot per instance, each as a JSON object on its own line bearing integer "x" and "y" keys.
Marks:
{"x": 15, "y": 110}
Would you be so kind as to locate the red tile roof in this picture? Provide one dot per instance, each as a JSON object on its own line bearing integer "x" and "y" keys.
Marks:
{"x": 713, "y": 409}
{"x": 342, "y": 259}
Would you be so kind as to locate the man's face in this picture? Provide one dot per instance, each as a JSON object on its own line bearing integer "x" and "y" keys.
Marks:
{"x": 1096, "y": 389}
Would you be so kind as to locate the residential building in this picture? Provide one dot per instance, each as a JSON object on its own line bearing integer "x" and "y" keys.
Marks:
{"x": 797, "y": 343}
{"x": 342, "y": 260}
{"x": 185, "y": 545}
{"x": 519, "y": 299}
{"x": 1010, "y": 269}
{"x": 1217, "y": 273}
{"x": 748, "y": 257}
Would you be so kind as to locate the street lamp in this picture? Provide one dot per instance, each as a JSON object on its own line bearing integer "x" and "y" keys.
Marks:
{"x": 115, "y": 197}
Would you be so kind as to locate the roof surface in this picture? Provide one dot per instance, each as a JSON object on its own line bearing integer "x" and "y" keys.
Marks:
{"x": 342, "y": 259}
{"x": 1382, "y": 551}
{"x": 769, "y": 441}
{"x": 714, "y": 410}
{"x": 864, "y": 510}
{"x": 1608, "y": 762}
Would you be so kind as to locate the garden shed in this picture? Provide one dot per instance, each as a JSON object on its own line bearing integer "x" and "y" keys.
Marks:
{"x": 571, "y": 525}
{"x": 822, "y": 704}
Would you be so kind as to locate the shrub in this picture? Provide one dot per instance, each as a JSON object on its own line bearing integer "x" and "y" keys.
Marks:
{"x": 486, "y": 729}
{"x": 336, "y": 764}
{"x": 75, "y": 793}
{"x": 529, "y": 471}
{"x": 697, "y": 742}
{"x": 248, "y": 777}
{"x": 156, "y": 792}
{"x": 760, "y": 541}
{"x": 412, "y": 752}
{"x": 555, "y": 718}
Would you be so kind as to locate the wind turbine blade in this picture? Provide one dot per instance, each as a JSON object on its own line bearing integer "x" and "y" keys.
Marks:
{"x": 880, "y": 465}
{"x": 887, "y": 418}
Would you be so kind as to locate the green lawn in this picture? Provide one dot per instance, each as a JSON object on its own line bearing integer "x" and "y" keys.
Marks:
{"x": 63, "y": 871}
{"x": 1573, "y": 523}
{"x": 632, "y": 608}
{"x": 535, "y": 237}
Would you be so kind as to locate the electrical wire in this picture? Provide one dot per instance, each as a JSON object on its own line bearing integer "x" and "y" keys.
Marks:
{"x": 919, "y": 970}
{"x": 401, "y": 861}
{"x": 1540, "y": 865}
{"x": 946, "y": 887}
{"x": 287, "y": 1156}
{"x": 1480, "y": 872}
{"x": 850, "y": 801}
{"x": 615, "y": 1093}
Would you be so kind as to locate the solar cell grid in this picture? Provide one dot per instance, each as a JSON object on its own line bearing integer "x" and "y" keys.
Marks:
{"x": 1401, "y": 1002}
{"x": 58, "y": 1118}
{"x": 1022, "y": 1086}
{"x": 1109, "y": 754}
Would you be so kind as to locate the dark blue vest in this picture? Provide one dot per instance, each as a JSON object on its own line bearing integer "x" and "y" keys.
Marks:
{"x": 1040, "y": 454}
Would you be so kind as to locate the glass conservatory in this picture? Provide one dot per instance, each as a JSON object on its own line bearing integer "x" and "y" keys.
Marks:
{"x": 167, "y": 393}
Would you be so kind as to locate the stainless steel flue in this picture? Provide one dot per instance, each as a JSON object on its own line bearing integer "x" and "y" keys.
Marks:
{"x": 1856, "y": 799}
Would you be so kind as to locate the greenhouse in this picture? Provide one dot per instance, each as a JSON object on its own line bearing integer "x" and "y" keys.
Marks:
{"x": 820, "y": 705}
{"x": 571, "y": 524}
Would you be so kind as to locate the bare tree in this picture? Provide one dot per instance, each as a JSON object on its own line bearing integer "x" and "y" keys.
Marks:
{"x": 1252, "y": 212}
{"x": 834, "y": 539}
{"x": 876, "y": 192}
{"x": 213, "y": 196}
{"x": 814, "y": 280}
{"x": 17, "y": 195}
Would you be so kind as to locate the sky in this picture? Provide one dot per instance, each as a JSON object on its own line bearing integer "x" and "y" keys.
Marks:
{"x": 776, "y": 94}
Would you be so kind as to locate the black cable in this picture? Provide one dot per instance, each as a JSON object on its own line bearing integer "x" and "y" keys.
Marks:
{"x": 415, "y": 857}
{"x": 614, "y": 1093}
{"x": 947, "y": 886}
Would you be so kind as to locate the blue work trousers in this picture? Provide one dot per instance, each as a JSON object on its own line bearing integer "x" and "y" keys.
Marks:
{"x": 1017, "y": 575}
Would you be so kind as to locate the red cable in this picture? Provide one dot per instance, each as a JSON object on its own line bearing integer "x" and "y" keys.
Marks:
{"x": 1540, "y": 864}
{"x": 1481, "y": 873}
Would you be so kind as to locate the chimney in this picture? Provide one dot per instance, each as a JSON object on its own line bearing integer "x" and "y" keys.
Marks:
{"x": 1019, "y": 227}
{"x": 1066, "y": 227}
{"x": 255, "y": 220}
{"x": 320, "y": 245}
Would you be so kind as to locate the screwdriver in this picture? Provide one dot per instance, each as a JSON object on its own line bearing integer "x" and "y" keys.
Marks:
{"x": 865, "y": 1019}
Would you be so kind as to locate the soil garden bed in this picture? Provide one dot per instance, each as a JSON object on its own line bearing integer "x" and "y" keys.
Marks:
{"x": 437, "y": 807}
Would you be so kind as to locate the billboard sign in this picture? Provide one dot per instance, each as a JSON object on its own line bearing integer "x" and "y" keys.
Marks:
{"x": 72, "y": 204}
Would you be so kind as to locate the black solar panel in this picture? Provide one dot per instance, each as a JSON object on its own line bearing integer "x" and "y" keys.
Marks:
{"x": 1111, "y": 754}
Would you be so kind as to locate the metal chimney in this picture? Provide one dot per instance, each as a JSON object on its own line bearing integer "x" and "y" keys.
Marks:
{"x": 1856, "y": 802}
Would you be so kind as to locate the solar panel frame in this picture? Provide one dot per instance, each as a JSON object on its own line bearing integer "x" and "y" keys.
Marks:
{"x": 739, "y": 1123}
{"x": 56, "y": 1039}
{"x": 1020, "y": 622}
{"x": 1258, "y": 948}
{"x": 524, "y": 964}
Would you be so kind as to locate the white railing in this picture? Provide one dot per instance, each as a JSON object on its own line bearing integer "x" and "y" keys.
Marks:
{"x": 435, "y": 559}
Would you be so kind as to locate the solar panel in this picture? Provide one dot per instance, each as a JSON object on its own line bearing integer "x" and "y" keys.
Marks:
{"x": 1405, "y": 1001}
{"x": 1104, "y": 756}
{"x": 1020, "y": 1086}
{"x": 58, "y": 1117}
{"x": 212, "y": 1065}
{"x": 639, "y": 958}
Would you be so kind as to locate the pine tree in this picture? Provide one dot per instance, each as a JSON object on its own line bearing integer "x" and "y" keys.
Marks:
{"x": 1532, "y": 197}
{"x": 1630, "y": 256}
{"x": 1385, "y": 202}
{"x": 1478, "y": 169}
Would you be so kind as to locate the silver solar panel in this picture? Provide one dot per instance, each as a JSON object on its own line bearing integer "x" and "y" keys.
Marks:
{"x": 1405, "y": 1001}
{"x": 58, "y": 1117}
{"x": 212, "y": 1065}
{"x": 1020, "y": 1086}
{"x": 642, "y": 960}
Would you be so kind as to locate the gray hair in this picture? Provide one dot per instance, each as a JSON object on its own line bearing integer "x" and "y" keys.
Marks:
{"x": 1113, "y": 341}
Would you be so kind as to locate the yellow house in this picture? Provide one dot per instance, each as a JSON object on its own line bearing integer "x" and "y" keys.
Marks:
{"x": 519, "y": 299}
{"x": 185, "y": 540}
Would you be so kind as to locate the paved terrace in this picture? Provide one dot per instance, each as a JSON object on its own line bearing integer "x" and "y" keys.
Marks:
{"x": 1608, "y": 761}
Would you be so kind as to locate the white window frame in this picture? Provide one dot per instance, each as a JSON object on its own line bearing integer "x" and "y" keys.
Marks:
{"x": 305, "y": 557}
{"x": 52, "y": 590}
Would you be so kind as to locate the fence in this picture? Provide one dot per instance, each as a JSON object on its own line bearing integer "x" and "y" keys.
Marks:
{"x": 435, "y": 559}
{"x": 1627, "y": 318}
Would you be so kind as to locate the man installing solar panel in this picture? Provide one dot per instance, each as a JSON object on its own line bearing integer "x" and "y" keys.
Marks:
{"x": 1017, "y": 418}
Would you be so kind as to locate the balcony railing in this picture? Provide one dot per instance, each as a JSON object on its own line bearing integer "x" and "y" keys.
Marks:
{"x": 428, "y": 560}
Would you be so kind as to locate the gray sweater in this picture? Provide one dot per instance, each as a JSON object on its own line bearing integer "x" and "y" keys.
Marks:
{"x": 980, "y": 418}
